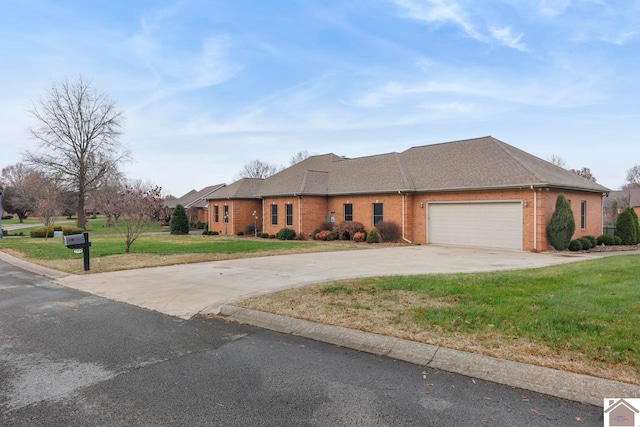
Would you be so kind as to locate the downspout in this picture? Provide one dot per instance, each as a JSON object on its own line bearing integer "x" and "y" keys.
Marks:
{"x": 535, "y": 219}
{"x": 403, "y": 234}
{"x": 263, "y": 219}
{"x": 233, "y": 215}
{"x": 299, "y": 215}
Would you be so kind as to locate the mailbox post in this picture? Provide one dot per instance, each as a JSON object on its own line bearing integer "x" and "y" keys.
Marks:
{"x": 79, "y": 241}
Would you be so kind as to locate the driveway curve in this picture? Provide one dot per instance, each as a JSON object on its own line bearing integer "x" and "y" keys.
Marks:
{"x": 188, "y": 289}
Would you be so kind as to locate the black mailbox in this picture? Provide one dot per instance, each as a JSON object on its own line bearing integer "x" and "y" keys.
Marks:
{"x": 79, "y": 241}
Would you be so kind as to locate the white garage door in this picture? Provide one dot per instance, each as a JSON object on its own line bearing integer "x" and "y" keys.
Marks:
{"x": 495, "y": 224}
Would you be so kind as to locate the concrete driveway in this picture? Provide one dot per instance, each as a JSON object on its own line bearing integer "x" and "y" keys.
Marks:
{"x": 188, "y": 289}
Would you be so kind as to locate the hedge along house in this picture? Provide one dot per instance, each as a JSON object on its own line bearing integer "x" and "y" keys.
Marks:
{"x": 234, "y": 207}
{"x": 478, "y": 192}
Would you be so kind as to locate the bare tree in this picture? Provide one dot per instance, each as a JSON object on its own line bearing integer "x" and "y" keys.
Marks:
{"x": 136, "y": 206}
{"x": 585, "y": 173}
{"x": 257, "y": 169}
{"x": 78, "y": 129}
{"x": 298, "y": 157}
{"x": 633, "y": 175}
{"x": 18, "y": 197}
{"x": 47, "y": 192}
{"x": 557, "y": 160}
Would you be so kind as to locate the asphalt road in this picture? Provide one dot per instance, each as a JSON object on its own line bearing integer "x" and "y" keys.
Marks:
{"x": 68, "y": 358}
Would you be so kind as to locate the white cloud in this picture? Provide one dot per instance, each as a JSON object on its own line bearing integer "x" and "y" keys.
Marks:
{"x": 439, "y": 12}
{"x": 507, "y": 38}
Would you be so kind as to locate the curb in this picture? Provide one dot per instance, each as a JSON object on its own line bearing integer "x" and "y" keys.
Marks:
{"x": 553, "y": 382}
{"x": 34, "y": 268}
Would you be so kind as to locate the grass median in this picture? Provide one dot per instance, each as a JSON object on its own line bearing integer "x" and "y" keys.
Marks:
{"x": 581, "y": 317}
{"x": 107, "y": 251}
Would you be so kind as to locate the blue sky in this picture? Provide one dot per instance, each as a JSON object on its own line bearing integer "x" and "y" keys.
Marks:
{"x": 207, "y": 86}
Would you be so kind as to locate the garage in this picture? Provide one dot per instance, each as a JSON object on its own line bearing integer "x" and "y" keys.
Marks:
{"x": 483, "y": 224}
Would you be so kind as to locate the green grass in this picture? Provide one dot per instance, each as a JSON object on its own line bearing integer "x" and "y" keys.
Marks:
{"x": 31, "y": 220}
{"x": 102, "y": 246}
{"x": 592, "y": 307}
{"x": 94, "y": 227}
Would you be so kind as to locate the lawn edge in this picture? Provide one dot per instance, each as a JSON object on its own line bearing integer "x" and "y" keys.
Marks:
{"x": 553, "y": 382}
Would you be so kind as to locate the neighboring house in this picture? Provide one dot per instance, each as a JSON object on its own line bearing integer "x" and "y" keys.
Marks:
{"x": 478, "y": 192}
{"x": 616, "y": 201}
{"x": 194, "y": 203}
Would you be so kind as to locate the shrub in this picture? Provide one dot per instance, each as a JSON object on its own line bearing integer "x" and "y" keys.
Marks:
{"x": 215, "y": 233}
{"x": 325, "y": 235}
{"x": 272, "y": 236}
{"x": 627, "y": 227}
{"x": 617, "y": 240}
{"x": 286, "y": 234}
{"x": 263, "y": 235}
{"x": 346, "y": 229}
{"x": 200, "y": 225}
{"x": 389, "y": 231}
{"x": 240, "y": 233}
{"x": 607, "y": 240}
{"x": 179, "y": 223}
{"x": 562, "y": 225}
{"x": 42, "y": 232}
{"x": 313, "y": 235}
{"x": 575, "y": 245}
{"x": 372, "y": 237}
{"x": 7, "y": 217}
{"x": 593, "y": 240}
{"x": 359, "y": 236}
{"x": 586, "y": 243}
{"x": 327, "y": 225}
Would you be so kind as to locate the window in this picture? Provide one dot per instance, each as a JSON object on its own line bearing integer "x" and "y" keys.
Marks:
{"x": 274, "y": 214}
{"x": 583, "y": 214}
{"x": 216, "y": 214}
{"x": 348, "y": 212}
{"x": 377, "y": 213}
{"x": 289, "y": 213}
{"x": 226, "y": 213}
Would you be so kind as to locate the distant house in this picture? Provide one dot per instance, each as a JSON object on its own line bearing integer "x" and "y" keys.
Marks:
{"x": 616, "y": 201}
{"x": 194, "y": 203}
{"x": 478, "y": 192}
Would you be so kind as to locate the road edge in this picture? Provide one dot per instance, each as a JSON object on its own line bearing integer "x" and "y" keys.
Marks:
{"x": 553, "y": 382}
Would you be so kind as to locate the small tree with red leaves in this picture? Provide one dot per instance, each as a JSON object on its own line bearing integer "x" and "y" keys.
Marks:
{"x": 136, "y": 206}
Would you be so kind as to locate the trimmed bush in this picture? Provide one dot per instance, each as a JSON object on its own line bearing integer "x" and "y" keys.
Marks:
{"x": 359, "y": 236}
{"x": 286, "y": 234}
{"x": 586, "y": 243}
{"x": 263, "y": 235}
{"x": 7, "y": 217}
{"x": 272, "y": 236}
{"x": 575, "y": 245}
{"x": 42, "y": 232}
{"x": 179, "y": 223}
{"x": 562, "y": 225}
{"x": 606, "y": 239}
{"x": 593, "y": 240}
{"x": 627, "y": 227}
{"x": 389, "y": 231}
{"x": 325, "y": 235}
{"x": 240, "y": 233}
{"x": 617, "y": 240}
{"x": 372, "y": 237}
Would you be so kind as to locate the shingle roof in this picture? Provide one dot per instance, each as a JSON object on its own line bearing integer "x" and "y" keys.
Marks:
{"x": 245, "y": 188}
{"x": 193, "y": 199}
{"x": 181, "y": 200}
{"x": 634, "y": 197}
{"x": 474, "y": 164}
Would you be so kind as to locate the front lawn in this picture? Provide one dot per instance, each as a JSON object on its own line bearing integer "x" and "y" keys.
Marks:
{"x": 151, "y": 250}
{"x": 582, "y": 317}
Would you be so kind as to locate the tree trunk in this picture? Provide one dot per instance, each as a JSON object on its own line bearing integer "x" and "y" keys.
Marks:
{"x": 82, "y": 221}
{"x": 127, "y": 247}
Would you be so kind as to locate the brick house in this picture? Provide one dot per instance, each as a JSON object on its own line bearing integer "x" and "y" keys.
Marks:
{"x": 478, "y": 192}
{"x": 194, "y": 203}
{"x": 234, "y": 207}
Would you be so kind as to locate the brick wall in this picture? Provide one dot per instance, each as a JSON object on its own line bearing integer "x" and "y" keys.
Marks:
{"x": 308, "y": 213}
{"x": 240, "y": 215}
{"x": 593, "y": 224}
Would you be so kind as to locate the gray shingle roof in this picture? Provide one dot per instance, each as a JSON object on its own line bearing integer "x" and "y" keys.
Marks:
{"x": 183, "y": 200}
{"x": 245, "y": 188}
{"x": 473, "y": 164}
{"x": 634, "y": 197}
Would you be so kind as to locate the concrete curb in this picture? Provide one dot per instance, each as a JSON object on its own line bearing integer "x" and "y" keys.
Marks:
{"x": 34, "y": 268}
{"x": 566, "y": 385}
